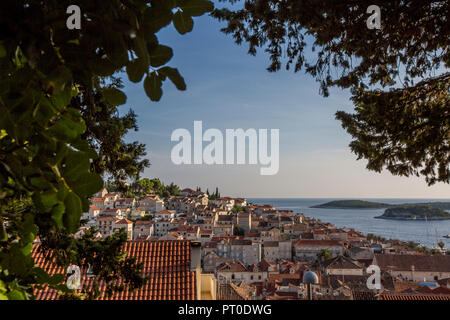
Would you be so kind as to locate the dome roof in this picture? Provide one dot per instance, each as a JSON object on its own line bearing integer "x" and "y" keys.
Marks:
{"x": 310, "y": 278}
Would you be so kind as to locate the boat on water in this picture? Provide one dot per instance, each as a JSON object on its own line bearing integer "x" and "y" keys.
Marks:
{"x": 447, "y": 236}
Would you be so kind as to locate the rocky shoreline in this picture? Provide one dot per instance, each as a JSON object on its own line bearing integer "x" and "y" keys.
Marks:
{"x": 412, "y": 218}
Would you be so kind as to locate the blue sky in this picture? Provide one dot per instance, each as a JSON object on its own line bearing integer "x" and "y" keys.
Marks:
{"x": 229, "y": 89}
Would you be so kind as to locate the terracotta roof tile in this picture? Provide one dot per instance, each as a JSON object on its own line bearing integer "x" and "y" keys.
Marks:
{"x": 164, "y": 212}
{"x": 403, "y": 296}
{"x": 319, "y": 243}
{"x": 124, "y": 221}
{"x": 402, "y": 262}
{"x": 167, "y": 263}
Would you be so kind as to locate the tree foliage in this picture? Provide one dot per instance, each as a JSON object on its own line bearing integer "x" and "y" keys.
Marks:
{"x": 238, "y": 230}
{"x": 324, "y": 254}
{"x": 215, "y": 195}
{"x": 58, "y": 127}
{"x": 398, "y": 124}
{"x": 142, "y": 187}
{"x": 407, "y": 130}
{"x": 105, "y": 130}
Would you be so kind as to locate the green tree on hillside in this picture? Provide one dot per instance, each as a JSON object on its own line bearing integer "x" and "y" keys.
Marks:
{"x": 172, "y": 190}
{"x": 238, "y": 209}
{"x": 324, "y": 254}
{"x": 238, "y": 230}
{"x": 215, "y": 195}
{"x": 145, "y": 186}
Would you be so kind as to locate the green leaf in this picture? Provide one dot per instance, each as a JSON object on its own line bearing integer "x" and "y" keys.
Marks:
{"x": 160, "y": 55}
{"x": 87, "y": 184}
{"x": 114, "y": 96}
{"x": 3, "y": 234}
{"x": 28, "y": 229}
{"x": 73, "y": 212}
{"x": 57, "y": 214}
{"x": 49, "y": 199}
{"x": 141, "y": 50}
{"x": 76, "y": 163}
{"x": 26, "y": 250}
{"x": 152, "y": 87}
{"x": 196, "y": 7}
{"x": 59, "y": 79}
{"x": 174, "y": 76}
{"x": 2, "y": 51}
{"x": 15, "y": 295}
{"x": 56, "y": 279}
{"x": 156, "y": 17}
{"x": 102, "y": 67}
{"x": 169, "y": 4}
{"x": 70, "y": 126}
{"x": 183, "y": 22}
{"x": 136, "y": 70}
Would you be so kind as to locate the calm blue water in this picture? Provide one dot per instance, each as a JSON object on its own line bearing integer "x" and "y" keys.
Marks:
{"x": 426, "y": 233}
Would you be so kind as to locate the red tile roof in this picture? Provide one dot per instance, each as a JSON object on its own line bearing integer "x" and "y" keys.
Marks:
{"x": 275, "y": 277}
{"x": 125, "y": 200}
{"x": 407, "y": 296}
{"x": 405, "y": 262}
{"x": 252, "y": 235}
{"x": 150, "y": 196}
{"x": 441, "y": 290}
{"x": 166, "y": 263}
{"x": 124, "y": 221}
{"x": 165, "y": 212}
{"x": 232, "y": 267}
{"x": 318, "y": 243}
{"x": 139, "y": 222}
{"x": 106, "y": 218}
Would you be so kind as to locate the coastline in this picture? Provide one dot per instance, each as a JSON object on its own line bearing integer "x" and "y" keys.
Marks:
{"x": 363, "y": 219}
{"x": 412, "y": 219}
{"x": 346, "y": 208}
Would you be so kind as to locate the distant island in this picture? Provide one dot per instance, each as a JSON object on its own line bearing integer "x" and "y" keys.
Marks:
{"x": 406, "y": 211}
{"x": 360, "y": 204}
{"x": 352, "y": 204}
{"x": 414, "y": 212}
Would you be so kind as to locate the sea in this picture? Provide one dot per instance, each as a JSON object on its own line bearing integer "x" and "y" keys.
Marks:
{"x": 427, "y": 233}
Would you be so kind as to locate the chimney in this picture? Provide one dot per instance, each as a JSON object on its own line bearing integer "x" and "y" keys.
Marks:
{"x": 196, "y": 265}
{"x": 195, "y": 255}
